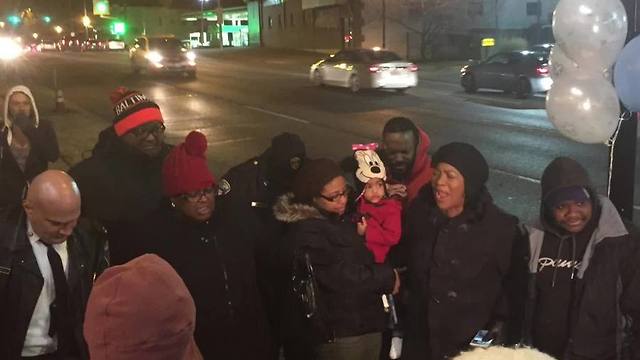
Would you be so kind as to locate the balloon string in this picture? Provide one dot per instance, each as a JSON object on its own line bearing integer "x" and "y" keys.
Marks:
{"x": 612, "y": 145}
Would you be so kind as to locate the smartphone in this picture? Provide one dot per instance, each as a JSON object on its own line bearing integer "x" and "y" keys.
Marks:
{"x": 482, "y": 339}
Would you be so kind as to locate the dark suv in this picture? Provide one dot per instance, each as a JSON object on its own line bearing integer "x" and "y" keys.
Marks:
{"x": 161, "y": 54}
{"x": 520, "y": 72}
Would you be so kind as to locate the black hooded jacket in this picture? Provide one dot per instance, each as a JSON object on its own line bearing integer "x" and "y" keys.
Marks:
{"x": 465, "y": 274}
{"x": 214, "y": 259}
{"x": 584, "y": 289}
{"x": 350, "y": 284}
{"x": 119, "y": 186}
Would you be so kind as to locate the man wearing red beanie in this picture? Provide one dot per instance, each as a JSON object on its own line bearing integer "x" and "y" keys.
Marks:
{"x": 212, "y": 253}
{"x": 121, "y": 182}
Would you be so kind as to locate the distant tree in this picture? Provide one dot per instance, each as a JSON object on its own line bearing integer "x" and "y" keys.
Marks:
{"x": 429, "y": 19}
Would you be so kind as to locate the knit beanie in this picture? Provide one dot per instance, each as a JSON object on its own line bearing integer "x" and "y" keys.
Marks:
{"x": 141, "y": 310}
{"x": 285, "y": 147}
{"x": 563, "y": 173}
{"x": 312, "y": 177}
{"x": 185, "y": 168}
{"x": 468, "y": 161}
{"x": 132, "y": 109}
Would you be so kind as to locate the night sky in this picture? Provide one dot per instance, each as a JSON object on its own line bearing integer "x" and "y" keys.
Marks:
{"x": 58, "y": 8}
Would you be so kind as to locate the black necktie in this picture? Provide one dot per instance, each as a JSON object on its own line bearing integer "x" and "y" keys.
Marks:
{"x": 60, "y": 306}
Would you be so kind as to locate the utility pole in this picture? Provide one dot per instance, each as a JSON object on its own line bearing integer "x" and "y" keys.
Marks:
{"x": 202, "y": 33}
{"x": 220, "y": 16}
{"x": 622, "y": 154}
{"x": 384, "y": 24}
{"x": 496, "y": 15}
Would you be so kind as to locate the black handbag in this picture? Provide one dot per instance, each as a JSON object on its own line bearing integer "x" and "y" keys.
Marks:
{"x": 304, "y": 285}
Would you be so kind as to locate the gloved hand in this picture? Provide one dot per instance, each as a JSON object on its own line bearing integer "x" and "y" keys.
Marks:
{"x": 498, "y": 332}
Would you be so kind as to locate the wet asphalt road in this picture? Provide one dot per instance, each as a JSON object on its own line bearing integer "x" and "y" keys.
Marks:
{"x": 241, "y": 99}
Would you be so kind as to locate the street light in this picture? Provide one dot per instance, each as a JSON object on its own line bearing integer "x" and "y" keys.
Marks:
{"x": 202, "y": 34}
{"x": 86, "y": 21}
{"x": 35, "y": 35}
{"x": 58, "y": 29}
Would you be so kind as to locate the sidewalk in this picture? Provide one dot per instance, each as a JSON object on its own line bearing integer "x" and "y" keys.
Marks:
{"x": 444, "y": 71}
{"x": 77, "y": 129}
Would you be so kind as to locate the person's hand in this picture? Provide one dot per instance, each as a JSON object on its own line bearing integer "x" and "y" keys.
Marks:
{"x": 362, "y": 226}
{"x": 398, "y": 190}
{"x": 497, "y": 332}
{"x": 396, "y": 285}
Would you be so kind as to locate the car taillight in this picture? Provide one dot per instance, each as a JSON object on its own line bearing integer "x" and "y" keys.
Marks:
{"x": 413, "y": 67}
{"x": 374, "y": 68}
{"x": 542, "y": 70}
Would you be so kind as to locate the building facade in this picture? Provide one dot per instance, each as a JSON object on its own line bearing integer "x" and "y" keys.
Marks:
{"x": 412, "y": 28}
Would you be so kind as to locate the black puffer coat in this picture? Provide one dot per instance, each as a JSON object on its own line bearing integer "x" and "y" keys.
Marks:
{"x": 350, "y": 283}
{"x": 44, "y": 149}
{"x": 461, "y": 274}
{"x": 119, "y": 187}
{"x": 215, "y": 260}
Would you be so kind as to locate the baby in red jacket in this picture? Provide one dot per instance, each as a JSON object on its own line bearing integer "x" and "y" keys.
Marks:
{"x": 380, "y": 222}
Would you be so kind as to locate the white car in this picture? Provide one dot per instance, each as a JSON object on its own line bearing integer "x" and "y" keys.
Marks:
{"x": 365, "y": 69}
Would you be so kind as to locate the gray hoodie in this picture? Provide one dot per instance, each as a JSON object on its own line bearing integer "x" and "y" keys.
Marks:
{"x": 8, "y": 123}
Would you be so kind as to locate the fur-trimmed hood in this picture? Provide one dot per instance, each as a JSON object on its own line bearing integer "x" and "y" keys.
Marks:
{"x": 288, "y": 211}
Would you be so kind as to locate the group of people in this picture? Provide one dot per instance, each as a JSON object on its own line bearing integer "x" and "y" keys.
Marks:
{"x": 140, "y": 252}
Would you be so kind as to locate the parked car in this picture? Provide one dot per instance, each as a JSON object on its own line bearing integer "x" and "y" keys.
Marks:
{"x": 543, "y": 48}
{"x": 94, "y": 45}
{"x": 71, "y": 43}
{"x": 50, "y": 45}
{"x": 365, "y": 69}
{"x": 155, "y": 54}
{"x": 116, "y": 44}
{"x": 521, "y": 72}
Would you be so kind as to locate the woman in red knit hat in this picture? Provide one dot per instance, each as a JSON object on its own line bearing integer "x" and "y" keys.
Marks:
{"x": 212, "y": 255}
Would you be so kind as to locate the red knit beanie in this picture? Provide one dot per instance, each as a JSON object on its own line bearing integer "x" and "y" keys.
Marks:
{"x": 132, "y": 109}
{"x": 185, "y": 168}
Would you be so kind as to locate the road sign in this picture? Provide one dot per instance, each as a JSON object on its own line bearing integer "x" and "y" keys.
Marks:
{"x": 101, "y": 7}
{"x": 488, "y": 42}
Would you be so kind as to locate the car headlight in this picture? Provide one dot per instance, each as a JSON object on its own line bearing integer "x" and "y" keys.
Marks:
{"x": 9, "y": 49}
{"x": 191, "y": 56}
{"x": 154, "y": 57}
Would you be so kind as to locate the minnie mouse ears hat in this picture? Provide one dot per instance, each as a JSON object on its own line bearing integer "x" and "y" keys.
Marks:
{"x": 132, "y": 109}
{"x": 370, "y": 166}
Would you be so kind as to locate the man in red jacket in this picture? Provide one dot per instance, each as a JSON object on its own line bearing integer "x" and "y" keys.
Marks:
{"x": 405, "y": 152}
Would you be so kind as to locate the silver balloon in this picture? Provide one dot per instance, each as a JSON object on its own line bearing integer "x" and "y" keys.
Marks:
{"x": 583, "y": 109}
{"x": 590, "y": 32}
{"x": 559, "y": 64}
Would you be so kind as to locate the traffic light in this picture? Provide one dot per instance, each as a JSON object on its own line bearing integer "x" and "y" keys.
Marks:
{"x": 46, "y": 19}
{"x": 118, "y": 28}
{"x": 101, "y": 7}
{"x": 14, "y": 20}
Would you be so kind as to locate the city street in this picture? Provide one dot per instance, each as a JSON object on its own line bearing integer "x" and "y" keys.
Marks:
{"x": 241, "y": 98}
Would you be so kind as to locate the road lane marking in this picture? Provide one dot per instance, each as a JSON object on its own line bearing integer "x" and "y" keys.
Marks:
{"x": 284, "y": 116}
{"x": 521, "y": 177}
{"x": 231, "y": 141}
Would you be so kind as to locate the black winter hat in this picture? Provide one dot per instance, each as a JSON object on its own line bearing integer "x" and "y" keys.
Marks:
{"x": 132, "y": 109}
{"x": 312, "y": 177}
{"x": 561, "y": 173}
{"x": 285, "y": 147}
{"x": 468, "y": 161}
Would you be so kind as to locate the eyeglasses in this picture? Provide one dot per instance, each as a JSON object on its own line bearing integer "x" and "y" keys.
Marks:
{"x": 143, "y": 131}
{"x": 195, "y": 196}
{"x": 336, "y": 197}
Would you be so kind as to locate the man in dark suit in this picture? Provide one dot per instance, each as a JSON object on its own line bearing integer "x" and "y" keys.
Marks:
{"x": 47, "y": 267}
